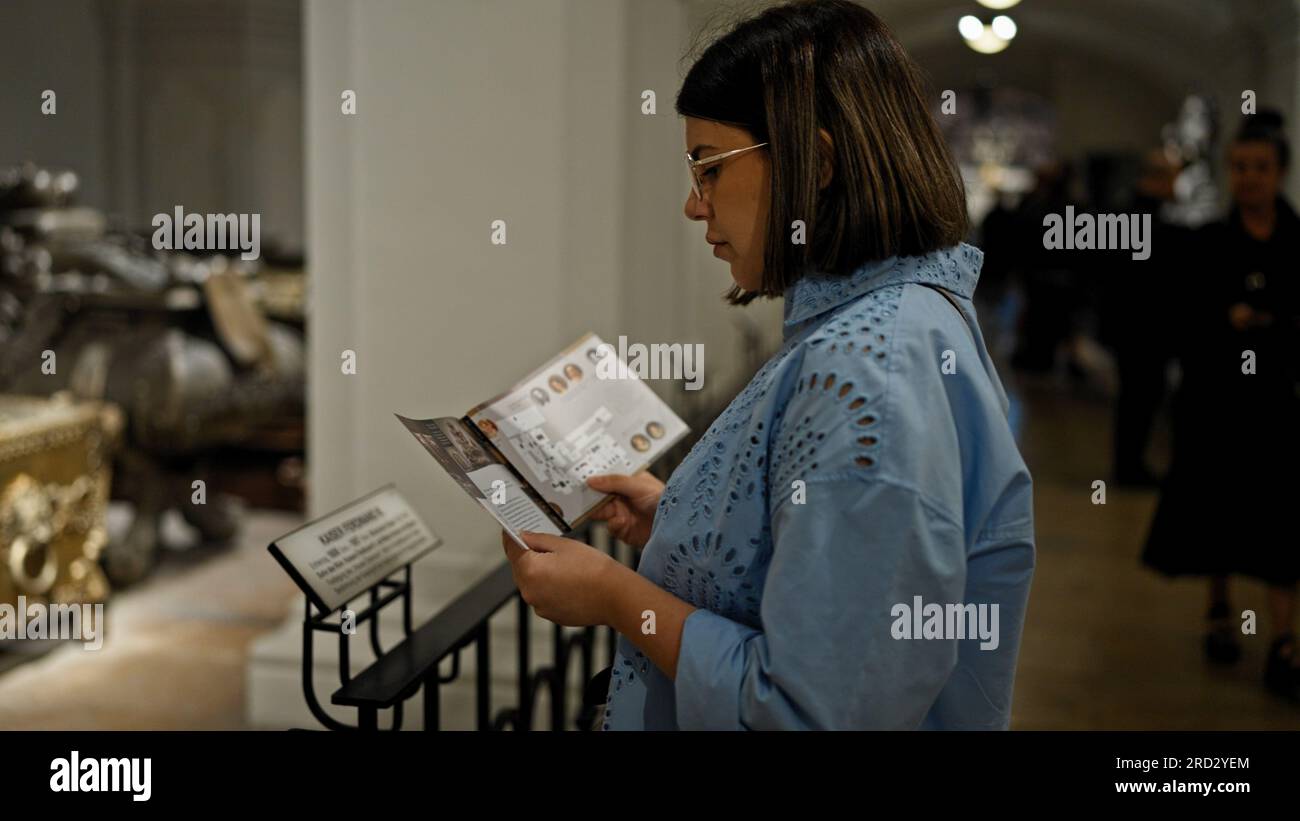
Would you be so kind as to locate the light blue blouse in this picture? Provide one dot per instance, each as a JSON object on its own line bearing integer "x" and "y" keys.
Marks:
{"x": 849, "y": 526}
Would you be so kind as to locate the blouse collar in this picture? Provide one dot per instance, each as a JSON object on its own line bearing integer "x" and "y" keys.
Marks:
{"x": 955, "y": 269}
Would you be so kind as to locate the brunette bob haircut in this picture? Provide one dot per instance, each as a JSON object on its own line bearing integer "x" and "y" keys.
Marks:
{"x": 796, "y": 68}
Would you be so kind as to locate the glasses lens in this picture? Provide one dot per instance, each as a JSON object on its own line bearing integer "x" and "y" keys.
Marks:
{"x": 695, "y": 179}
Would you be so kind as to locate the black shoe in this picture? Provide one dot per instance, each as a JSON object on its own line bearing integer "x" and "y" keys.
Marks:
{"x": 1281, "y": 673}
{"x": 1221, "y": 645}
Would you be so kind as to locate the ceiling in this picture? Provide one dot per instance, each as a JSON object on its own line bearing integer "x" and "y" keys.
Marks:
{"x": 1173, "y": 44}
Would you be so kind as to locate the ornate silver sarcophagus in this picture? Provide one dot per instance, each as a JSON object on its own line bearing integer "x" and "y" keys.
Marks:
{"x": 180, "y": 343}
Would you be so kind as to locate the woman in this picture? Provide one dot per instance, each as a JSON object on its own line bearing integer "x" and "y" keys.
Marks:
{"x": 1226, "y": 507}
{"x": 867, "y": 470}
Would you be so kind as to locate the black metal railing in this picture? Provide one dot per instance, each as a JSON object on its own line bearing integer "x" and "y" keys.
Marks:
{"x": 415, "y": 663}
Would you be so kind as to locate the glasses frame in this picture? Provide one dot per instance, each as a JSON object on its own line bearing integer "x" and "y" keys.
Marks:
{"x": 693, "y": 165}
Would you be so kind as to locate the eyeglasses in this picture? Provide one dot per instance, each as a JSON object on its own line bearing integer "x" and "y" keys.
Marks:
{"x": 693, "y": 165}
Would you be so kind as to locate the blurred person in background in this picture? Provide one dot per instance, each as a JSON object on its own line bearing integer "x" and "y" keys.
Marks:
{"x": 1139, "y": 293}
{"x": 1224, "y": 508}
{"x": 1002, "y": 238}
{"x": 1051, "y": 318}
{"x": 1002, "y": 242}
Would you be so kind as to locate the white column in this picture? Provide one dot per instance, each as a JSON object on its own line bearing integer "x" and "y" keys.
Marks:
{"x": 467, "y": 111}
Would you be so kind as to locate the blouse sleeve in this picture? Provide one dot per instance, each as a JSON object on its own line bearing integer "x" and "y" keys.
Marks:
{"x": 826, "y": 656}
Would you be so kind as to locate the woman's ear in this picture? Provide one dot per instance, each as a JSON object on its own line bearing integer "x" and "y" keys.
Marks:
{"x": 825, "y": 158}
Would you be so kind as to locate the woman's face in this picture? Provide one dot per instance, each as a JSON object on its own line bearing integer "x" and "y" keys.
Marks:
{"x": 1254, "y": 174}
{"x": 736, "y": 197}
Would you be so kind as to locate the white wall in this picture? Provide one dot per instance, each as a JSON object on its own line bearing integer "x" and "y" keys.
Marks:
{"x": 523, "y": 110}
{"x": 469, "y": 112}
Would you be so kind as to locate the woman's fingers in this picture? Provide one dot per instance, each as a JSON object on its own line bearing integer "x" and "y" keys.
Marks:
{"x": 618, "y": 513}
{"x": 542, "y": 542}
{"x": 606, "y": 511}
{"x": 614, "y": 509}
{"x": 512, "y": 548}
{"x": 619, "y": 483}
{"x": 604, "y": 482}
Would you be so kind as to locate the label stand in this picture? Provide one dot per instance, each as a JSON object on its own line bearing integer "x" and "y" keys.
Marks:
{"x": 367, "y": 717}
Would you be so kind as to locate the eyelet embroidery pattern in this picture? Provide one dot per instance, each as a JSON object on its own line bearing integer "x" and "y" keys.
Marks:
{"x": 946, "y": 268}
{"x": 700, "y": 472}
{"x": 812, "y": 296}
{"x": 815, "y": 409}
{"x": 724, "y": 578}
{"x": 638, "y": 664}
{"x": 715, "y": 576}
{"x": 851, "y": 361}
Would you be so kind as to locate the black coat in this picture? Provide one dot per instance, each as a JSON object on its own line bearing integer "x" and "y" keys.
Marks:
{"x": 1228, "y": 503}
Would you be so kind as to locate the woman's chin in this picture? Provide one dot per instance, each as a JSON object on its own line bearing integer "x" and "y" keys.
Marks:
{"x": 738, "y": 277}
{"x": 745, "y": 283}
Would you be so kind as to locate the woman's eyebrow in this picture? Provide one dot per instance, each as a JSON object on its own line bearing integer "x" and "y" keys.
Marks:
{"x": 695, "y": 152}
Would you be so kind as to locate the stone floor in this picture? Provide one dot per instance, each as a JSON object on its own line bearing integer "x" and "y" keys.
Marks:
{"x": 175, "y": 648}
{"x": 1108, "y": 645}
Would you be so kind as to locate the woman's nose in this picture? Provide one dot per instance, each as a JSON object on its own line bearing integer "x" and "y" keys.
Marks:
{"x": 696, "y": 208}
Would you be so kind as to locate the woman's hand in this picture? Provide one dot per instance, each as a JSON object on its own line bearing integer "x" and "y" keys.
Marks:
{"x": 631, "y": 513}
{"x": 565, "y": 581}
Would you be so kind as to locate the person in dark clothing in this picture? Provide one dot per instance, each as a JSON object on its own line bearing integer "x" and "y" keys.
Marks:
{"x": 1141, "y": 291}
{"x": 1226, "y": 504}
{"x": 1002, "y": 242}
{"x": 1053, "y": 295}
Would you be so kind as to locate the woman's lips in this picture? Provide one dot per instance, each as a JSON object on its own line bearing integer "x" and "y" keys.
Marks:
{"x": 717, "y": 247}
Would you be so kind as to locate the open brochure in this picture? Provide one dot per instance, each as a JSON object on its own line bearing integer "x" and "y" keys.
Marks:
{"x": 526, "y": 455}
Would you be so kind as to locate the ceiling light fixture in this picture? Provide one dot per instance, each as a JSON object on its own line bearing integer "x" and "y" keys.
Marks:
{"x": 988, "y": 39}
